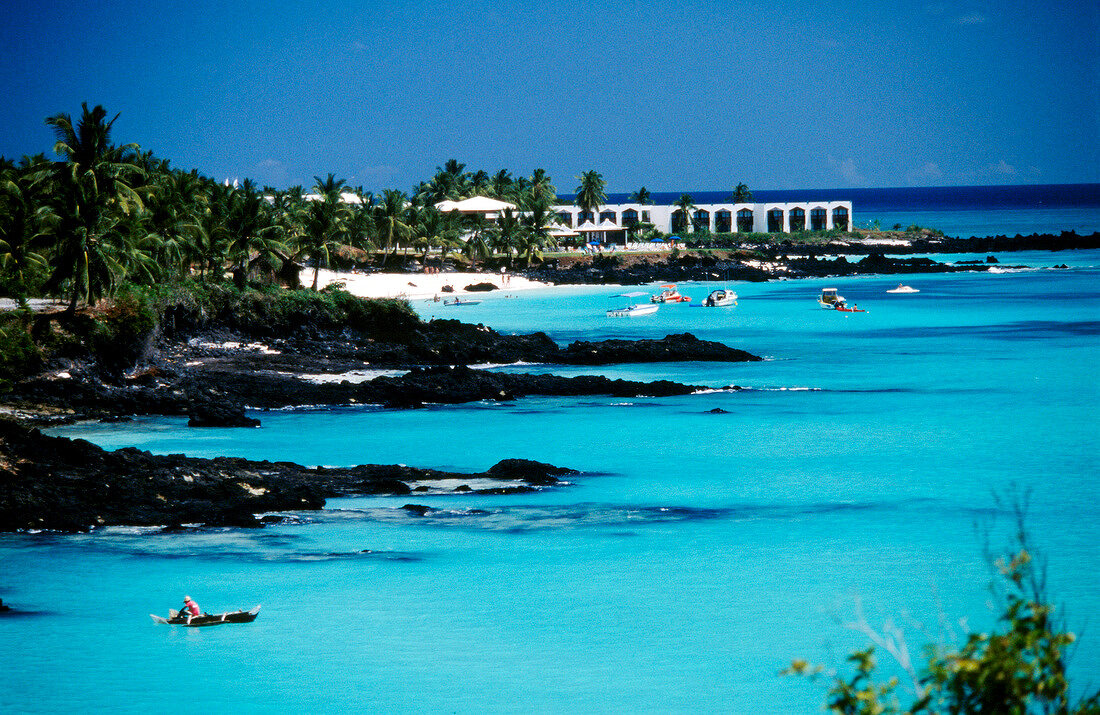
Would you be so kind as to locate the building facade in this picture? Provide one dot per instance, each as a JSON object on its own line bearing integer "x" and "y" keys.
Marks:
{"x": 769, "y": 217}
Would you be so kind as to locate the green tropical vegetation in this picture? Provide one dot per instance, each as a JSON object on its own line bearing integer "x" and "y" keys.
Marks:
{"x": 590, "y": 191}
{"x": 1018, "y": 668}
{"x": 103, "y": 216}
{"x": 685, "y": 205}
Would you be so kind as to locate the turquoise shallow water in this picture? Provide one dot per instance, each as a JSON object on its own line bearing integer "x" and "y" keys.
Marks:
{"x": 697, "y": 555}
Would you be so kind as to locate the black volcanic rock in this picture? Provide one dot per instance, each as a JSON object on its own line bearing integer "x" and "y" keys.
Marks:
{"x": 528, "y": 471}
{"x": 73, "y": 485}
{"x": 219, "y": 414}
{"x": 671, "y": 348}
{"x": 481, "y": 287}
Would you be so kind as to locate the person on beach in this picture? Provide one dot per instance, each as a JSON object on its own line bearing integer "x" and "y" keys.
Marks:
{"x": 190, "y": 608}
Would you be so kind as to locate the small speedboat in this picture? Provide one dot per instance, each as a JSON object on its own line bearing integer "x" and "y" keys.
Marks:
{"x": 460, "y": 301}
{"x": 902, "y": 288}
{"x": 669, "y": 294}
{"x": 829, "y": 299}
{"x": 176, "y": 618}
{"x": 719, "y": 298}
{"x": 631, "y": 311}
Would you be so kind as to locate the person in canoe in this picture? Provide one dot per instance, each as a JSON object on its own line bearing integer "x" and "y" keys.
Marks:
{"x": 190, "y": 608}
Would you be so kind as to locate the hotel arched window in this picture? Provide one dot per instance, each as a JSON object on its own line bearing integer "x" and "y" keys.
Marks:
{"x": 744, "y": 220}
{"x": 607, "y": 216}
{"x": 818, "y": 218}
{"x": 775, "y": 220}
{"x": 565, "y": 218}
{"x": 723, "y": 221}
{"x": 678, "y": 221}
{"x": 585, "y": 217}
{"x": 798, "y": 219}
{"x": 840, "y": 218}
{"x": 630, "y": 217}
{"x": 701, "y": 220}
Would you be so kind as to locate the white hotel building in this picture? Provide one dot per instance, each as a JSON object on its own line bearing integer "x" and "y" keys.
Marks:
{"x": 767, "y": 217}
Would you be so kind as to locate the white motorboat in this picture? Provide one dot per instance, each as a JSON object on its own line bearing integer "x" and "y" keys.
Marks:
{"x": 669, "y": 294}
{"x": 829, "y": 299}
{"x": 633, "y": 309}
{"x": 720, "y": 297}
{"x": 902, "y": 288}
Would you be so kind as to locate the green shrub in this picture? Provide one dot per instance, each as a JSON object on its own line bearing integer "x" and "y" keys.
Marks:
{"x": 19, "y": 356}
{"x": 122, "y": 330}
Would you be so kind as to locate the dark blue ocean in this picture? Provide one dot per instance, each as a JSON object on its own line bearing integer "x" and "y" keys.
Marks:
{"x": 695, "y": 557}
{"x": 960, "y": 211}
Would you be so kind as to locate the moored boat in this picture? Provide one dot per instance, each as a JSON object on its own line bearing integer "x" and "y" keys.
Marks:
{"x": 829, "y": 299}
{"x": 720, "y": 297}
{"x": 902, "y": 288}
{"x": 669, "y": 294}
{"x": 460, "y": 301}
{"x": 176, "y": 618}
{"x": 631, "y": 311}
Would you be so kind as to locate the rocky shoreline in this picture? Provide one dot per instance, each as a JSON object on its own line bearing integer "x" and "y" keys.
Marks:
{"x": 212, "y": 374}
{"x": 54, "y": 483}
{"x": 213, "y": 386}
{"x": 793, "y": 259}
{"x": 212, "y": 369}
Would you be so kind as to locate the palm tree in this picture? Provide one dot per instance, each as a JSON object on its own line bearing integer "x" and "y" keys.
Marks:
{"x": 92, "y": 186}
{"x": 479, "y": 183}
{"x": 435, "y": 229}
{"x": 391, "y": 220}
{"x": 253, "y": 234}
{"x": 362, "y": 230}
{"x": 538, "y": 220}
{"x": 641, "y": 196}
{"x": 686, "y": 204}
{"x": 173, "y": 208}
{"x": 450, "y": 182}
{"x": 590, "y": 194}
{"x": 210, "y": 239}
{"x": 325, "y": 225}
{"x": 509, "y": 234}
{"x": 503, "y": 187}
{"x": 539, "y": 189}
{"x": 741, "y": 194}
{"x": 21, "y": 226}
{"x": 476, "y": 248}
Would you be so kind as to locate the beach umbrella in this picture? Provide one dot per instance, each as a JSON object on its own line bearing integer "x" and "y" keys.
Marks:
{"x": 656, "y": 240}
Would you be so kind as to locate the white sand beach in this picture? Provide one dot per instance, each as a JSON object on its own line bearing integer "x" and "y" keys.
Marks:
{"x": 416, "y": 285}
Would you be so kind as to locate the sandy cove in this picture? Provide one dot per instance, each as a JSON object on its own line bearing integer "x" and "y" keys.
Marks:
{"x": 416, "y": 285}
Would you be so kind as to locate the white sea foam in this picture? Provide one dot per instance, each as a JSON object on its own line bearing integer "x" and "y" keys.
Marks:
{"x": 352, "y": 376}
{"x": 233, "y": 345}
{"x": 491, "y": 365}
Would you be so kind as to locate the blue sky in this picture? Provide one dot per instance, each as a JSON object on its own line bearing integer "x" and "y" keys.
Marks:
{"x": 678, "y": 96}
